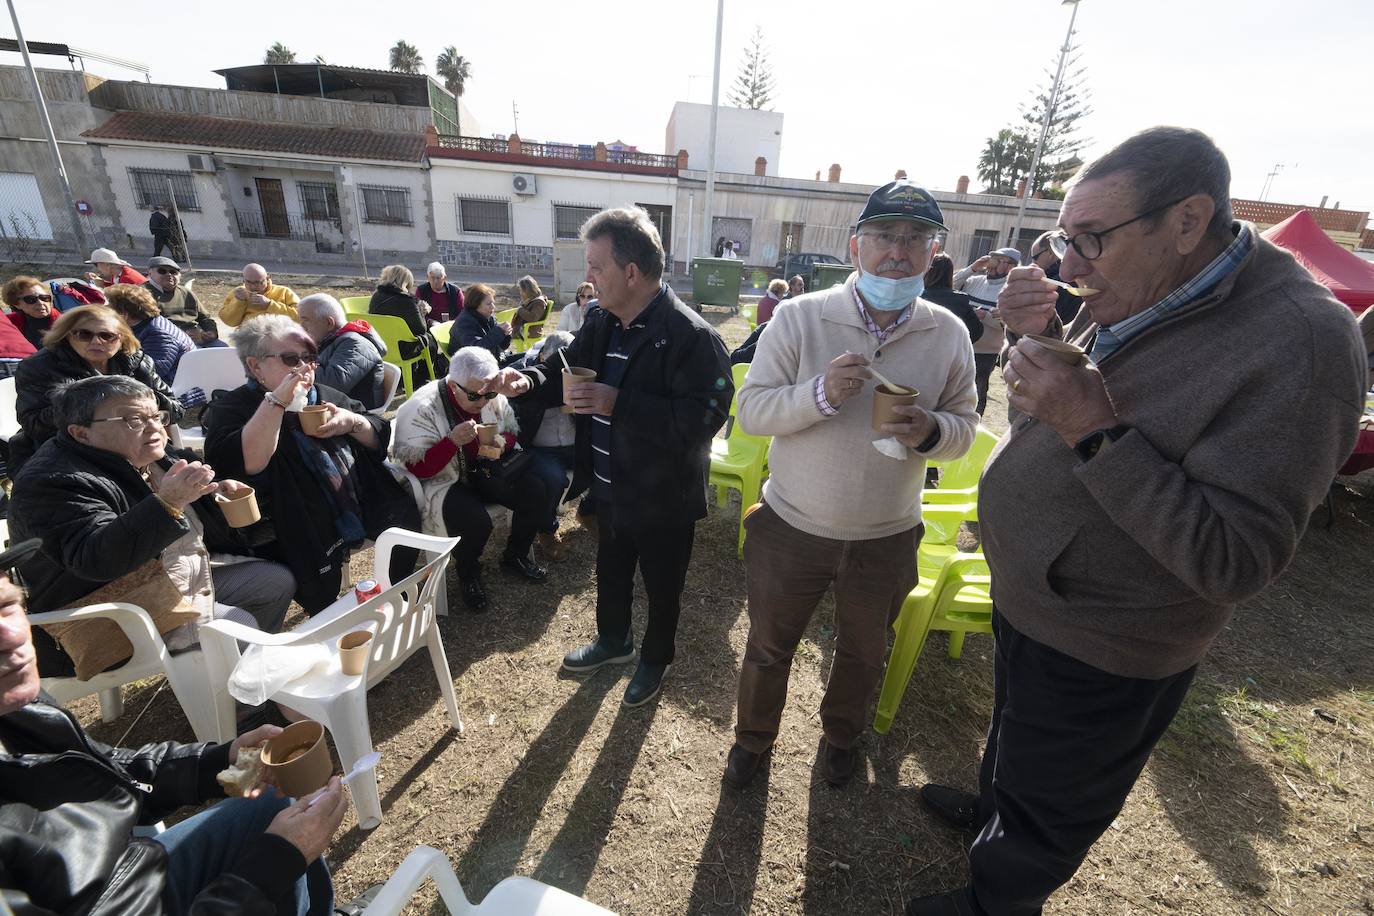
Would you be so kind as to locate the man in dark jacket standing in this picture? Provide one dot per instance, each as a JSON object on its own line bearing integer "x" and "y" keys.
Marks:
{"x": 68, "y": 806}
{"x": 350, "y": 357}
{"x": 645, "y": 425}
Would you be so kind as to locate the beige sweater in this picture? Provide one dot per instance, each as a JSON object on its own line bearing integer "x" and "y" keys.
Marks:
{"x": 1241, "y": 408}
{"x": 826, "y": 478}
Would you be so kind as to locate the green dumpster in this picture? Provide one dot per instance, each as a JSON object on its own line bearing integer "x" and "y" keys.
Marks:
{"x": 824, "y": 276}
{"x": 715, "y": 281}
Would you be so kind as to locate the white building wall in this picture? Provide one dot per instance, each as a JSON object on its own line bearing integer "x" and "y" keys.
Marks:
{"x": 211, "y": 223}
{"x": 742, "y": 135}
{"x": 416, "y": 237}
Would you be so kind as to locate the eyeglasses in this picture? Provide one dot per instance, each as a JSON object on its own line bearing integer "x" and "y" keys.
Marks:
{"x": 584, "y": 295}
{"x": 292, "y": 360}
{"x": 138, "y": 422}
{"x": 476, "y": 396}
{"x": 168, "y": 270}
{"x": 891, "y": 239}
{"x": 1089, "y": 244}
{"x": 34, "y": 300}
{"x": 86, "y": 335}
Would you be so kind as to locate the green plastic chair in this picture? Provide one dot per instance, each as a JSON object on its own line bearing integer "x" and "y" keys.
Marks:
{"x": 739, "y": 461}
{"x": 441, "y": 333}
{"x": 394, "y": 332}
{"x": 356, "y": 303}
{"x": 959, "y": 478}
{"x": 957, "y": 600}
{"x": 750, "y": 311}
{"x": 521, "y": 342}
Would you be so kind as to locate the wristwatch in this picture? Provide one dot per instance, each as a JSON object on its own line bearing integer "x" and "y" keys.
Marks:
{"x": 1092, "y": 443}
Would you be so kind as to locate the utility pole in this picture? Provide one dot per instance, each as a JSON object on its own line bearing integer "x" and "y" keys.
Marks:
{"x": 83, "y": 247}
{"x": 711, "y": 139}
{"x": 1044, "y": 124}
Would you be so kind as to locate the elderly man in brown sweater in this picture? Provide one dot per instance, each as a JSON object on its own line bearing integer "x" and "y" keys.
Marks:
{"x": 1143, "y": 494}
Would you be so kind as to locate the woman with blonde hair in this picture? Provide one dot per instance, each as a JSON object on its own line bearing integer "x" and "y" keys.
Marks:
{"x": 164, "y": 342}
{"x": 83, "y": 342}
{"x": 534, "y": 309}
{"x": 395, "y": 296}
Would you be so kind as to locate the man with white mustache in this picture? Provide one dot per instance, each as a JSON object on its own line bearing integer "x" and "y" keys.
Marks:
{"x": 840, "y": 508}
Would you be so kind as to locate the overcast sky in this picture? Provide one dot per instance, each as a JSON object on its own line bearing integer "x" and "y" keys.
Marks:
{"x": 873, "y": 85}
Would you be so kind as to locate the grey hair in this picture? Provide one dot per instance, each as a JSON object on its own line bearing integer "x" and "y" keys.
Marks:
{"x": 326, "y": 306}
{"x": 471, "y": 362}
{"x": 252, "y": 337}
{"x": 529, "y": 286}
{"x": 75, "y": 403}
{"x": 634, "y": 239}
{"x": 435, "y": 268}
{"x": 1166, "y": 164}
{"x": 553, "y": 343}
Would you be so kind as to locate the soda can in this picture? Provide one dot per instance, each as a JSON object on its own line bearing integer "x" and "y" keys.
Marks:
{"x": 368, "y": 588}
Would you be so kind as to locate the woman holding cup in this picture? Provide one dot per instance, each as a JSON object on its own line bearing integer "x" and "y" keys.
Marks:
{"x": 314, "y": 455}
{"x": 439, "y": 439}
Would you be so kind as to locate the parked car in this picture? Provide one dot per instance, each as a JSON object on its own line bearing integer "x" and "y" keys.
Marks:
{"x": 801, "y": 264}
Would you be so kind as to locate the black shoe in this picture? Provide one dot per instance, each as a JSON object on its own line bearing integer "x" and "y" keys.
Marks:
{"x": 645, "y": 685}
{"x": 741, "y": 766}
{"x": 593, "y": 655}
{"x": 950, "y": 903}
{"x": 474, "y": 594}
{"x": 525, "y": 568}
{"x": 953, "y": 806}
{"x": 838, "y": 764}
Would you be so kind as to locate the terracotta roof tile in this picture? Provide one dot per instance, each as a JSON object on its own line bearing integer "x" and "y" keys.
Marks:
{"x": 1268, "y": 213}
{"x": 233, "y": 133}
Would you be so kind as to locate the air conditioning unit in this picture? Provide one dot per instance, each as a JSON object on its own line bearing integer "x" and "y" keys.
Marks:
{"x": 523, "y": 184}
{"x": 200, "y": 163}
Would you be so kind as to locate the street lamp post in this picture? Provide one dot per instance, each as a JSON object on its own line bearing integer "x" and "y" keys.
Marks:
{"x": 1045, "y": 124}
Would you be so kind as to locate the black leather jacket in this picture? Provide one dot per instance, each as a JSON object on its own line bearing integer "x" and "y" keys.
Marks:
{"x": 68, "y": 804}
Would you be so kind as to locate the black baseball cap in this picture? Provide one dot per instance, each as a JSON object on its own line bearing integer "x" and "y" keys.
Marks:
{"x": 903, "y": 199}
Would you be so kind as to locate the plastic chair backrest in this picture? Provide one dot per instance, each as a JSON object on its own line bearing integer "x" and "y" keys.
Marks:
{"x": 964, "y": 472}
{"x": 391, "y": 375}
{"x": 355, "y": 303}
{"x": 9, "y": 417}
{"x": 392, "y": 330}
{"x": 737, "y": 373}
{"x": 210, "y": 369}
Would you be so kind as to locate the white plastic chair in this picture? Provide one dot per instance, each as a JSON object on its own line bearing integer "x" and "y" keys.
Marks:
{"x": 402, "y": 622}
{"x": 210, "y": 369}
{"x": 185, "y": 671}
{"x": 391, "y": 376}
{"x": 9, "y": 416}
{"x": 514, "y": 896}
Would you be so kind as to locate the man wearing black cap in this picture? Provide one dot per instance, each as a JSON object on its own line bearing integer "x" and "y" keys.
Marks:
{"x": 839, "y": 508}
{"x": 179, "y": 305}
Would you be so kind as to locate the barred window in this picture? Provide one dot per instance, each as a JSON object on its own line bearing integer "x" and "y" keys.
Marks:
{"x": 983, "y": 242}
{"x": 483, "y": 216}
{"x": 319, "y": 200}
{"x": 150, "y": 188}
{"x": 386, "y": 205}
{"x": 568, "y": 220}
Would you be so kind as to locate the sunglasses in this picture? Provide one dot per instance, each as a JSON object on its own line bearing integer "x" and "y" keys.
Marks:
{"x": 474, "y": 395}
{"x": 34, "y": 300}
{"x": 168, "y": 270}
{"x": 86, "y": 335}
{"x": 292, "y": 360}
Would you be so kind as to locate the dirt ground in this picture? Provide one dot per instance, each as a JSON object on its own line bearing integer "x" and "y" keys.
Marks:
{"x": 1259, "y": 800}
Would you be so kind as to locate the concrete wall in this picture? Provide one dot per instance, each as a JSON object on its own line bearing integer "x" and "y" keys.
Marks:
{"x": 24, "y": 152}
{"x": 258, "y": 106}
{"x": 742, "y": 135}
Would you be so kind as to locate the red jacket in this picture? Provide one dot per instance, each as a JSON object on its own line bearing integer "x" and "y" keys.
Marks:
{"x": 126, "y": 275}
{"x": 13, "y": 344}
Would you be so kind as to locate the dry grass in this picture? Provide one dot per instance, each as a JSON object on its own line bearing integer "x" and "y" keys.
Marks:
{"x": 1254, "y": 803}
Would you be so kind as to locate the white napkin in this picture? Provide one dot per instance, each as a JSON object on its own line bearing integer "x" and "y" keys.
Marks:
{"x": 891, "y": 448}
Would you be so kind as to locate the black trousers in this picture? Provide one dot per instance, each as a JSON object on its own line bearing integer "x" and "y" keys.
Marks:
{"x": 983, "y": 364}
{"x": 162, "y": 240}
{"x": 315, "y": 593}
{"x": 661, "y": 552}
{"x": 465, "y": 517}
{"x": 1066, "y": 745}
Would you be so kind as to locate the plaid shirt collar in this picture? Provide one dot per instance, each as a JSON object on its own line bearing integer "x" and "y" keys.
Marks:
{"x": 881, "y": 333}
{"x": 1110, "y": 339}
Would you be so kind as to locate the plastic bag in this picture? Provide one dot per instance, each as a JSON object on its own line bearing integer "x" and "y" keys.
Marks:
{"x": 263, "y": 670}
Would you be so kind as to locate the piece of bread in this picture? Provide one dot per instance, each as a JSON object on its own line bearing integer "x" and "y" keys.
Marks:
{"x": 244, "y": 774}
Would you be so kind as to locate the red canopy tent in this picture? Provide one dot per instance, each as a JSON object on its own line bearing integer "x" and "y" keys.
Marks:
{"x": 1349, "y": 277}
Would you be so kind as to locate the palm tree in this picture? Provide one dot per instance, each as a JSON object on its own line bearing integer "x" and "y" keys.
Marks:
{"x": 454, "y": 69}
{"x": 406, "y": 58}
{"x": 279, "y": 54}
{"x": 997, "y": 164}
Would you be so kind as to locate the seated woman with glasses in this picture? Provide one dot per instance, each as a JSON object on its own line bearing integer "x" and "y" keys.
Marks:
{"x": 106, "y": 497}
{"x": 30, "y": 302}
{"x": 323, "y": 493}
{"x": 83, "y": 342}
{"x": 572, "y": 316}
{"x": 438, "y": 440}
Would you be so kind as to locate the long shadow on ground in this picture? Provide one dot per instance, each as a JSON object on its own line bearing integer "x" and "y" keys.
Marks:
{"x": 727, "y": 870}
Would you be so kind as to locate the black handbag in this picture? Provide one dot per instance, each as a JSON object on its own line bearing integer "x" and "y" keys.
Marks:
{"x": 496, "y": 480}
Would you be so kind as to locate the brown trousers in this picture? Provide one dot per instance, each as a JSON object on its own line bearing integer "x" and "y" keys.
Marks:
{"x": 787, "y": 571}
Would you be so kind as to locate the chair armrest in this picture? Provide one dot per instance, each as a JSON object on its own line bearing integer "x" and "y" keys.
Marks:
{"x": 131, "y": 619}
{"x": 423, "y": 863}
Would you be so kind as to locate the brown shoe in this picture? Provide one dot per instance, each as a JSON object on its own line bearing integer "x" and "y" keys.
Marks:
{"x": 741, "y": 766}
{"x": 838, "y": 764}
{"x": 553, "y": 546}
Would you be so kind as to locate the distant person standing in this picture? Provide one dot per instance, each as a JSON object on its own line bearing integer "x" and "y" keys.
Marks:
{"x": 982, "y": 281}
{"x": 160, "y": 225}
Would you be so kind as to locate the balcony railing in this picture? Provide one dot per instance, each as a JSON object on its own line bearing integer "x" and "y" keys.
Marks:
{"x": 557, "y": 152}
{"x": 286, "y": 225}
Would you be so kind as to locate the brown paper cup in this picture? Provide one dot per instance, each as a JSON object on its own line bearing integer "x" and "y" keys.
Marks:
{"x": 884, "y": 399}
{"x": 353, "y": 651}
{"x": 575, "y": 374}
{"x": 486, "y": 433}
{"x": 1065, "y": 352}
{"x": 299, "y": 758}
{"x": 312, "y": 418}
{"x": 241, "y": 509}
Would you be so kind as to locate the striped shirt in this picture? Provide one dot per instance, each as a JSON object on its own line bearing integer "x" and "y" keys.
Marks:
{"x": 612, "y": 373}
{"x": 822, "y": 403}
{"x": 1110, "y": 339}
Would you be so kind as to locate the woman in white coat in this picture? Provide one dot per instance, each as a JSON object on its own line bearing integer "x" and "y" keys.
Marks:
{"x": 437, "y": 438}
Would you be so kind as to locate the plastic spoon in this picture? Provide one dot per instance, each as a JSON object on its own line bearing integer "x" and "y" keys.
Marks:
{"x": 887, "y": 381}
{"x": 365, "y": 763}
{"x": 1083, "y": 291}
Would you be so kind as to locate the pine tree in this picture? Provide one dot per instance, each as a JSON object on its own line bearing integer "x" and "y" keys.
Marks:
{"x": 754, "y": 85}
{"x": 279, "y": 54}
{"x": 1059, "y": 158}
